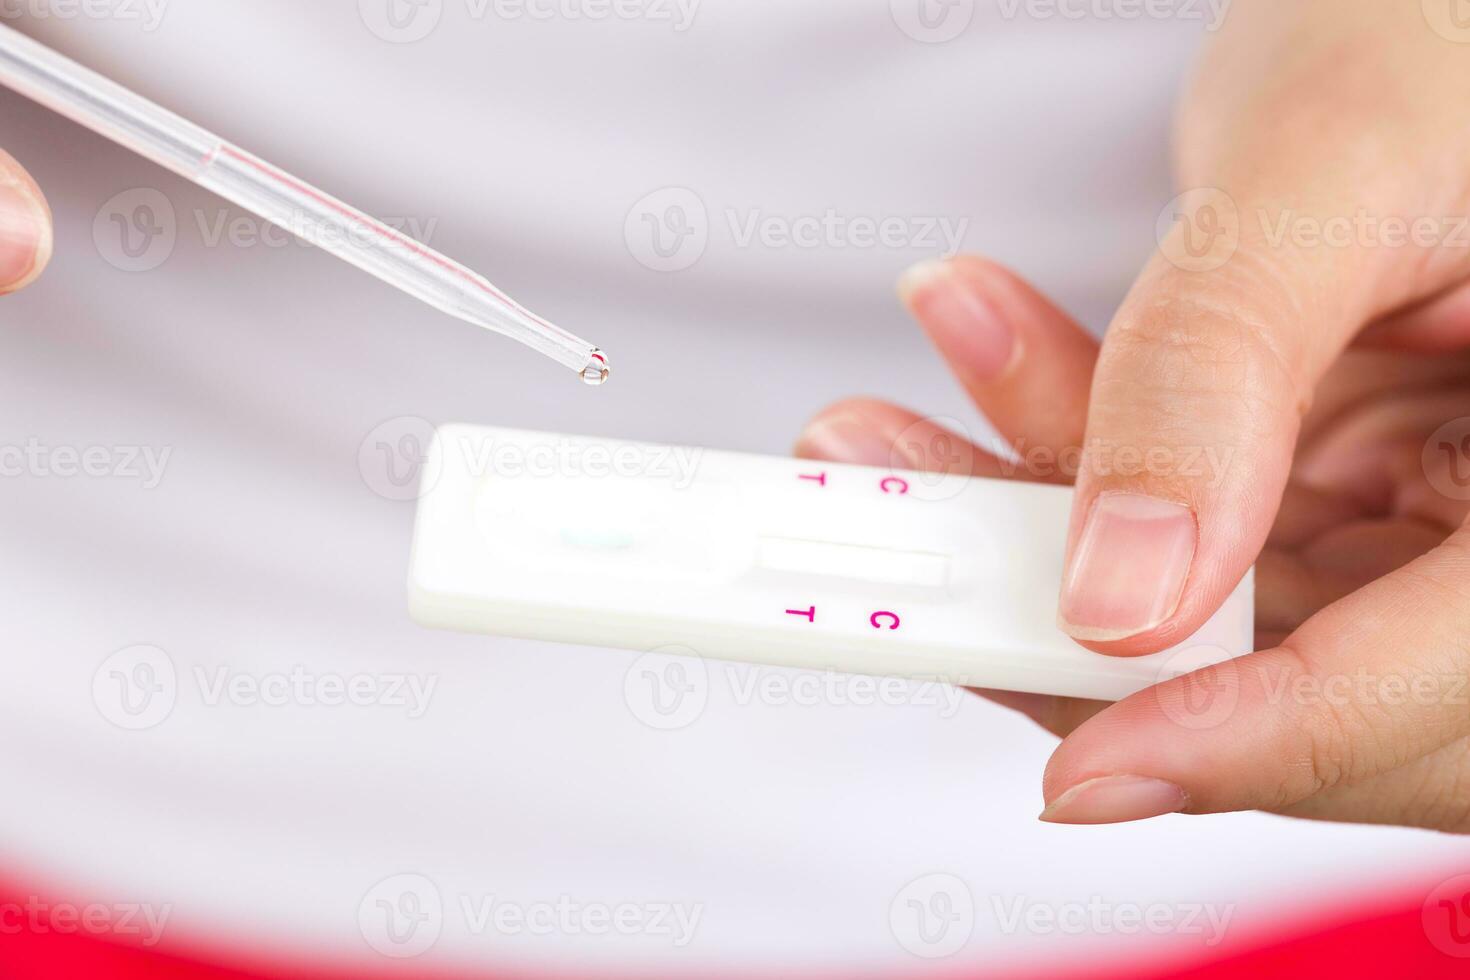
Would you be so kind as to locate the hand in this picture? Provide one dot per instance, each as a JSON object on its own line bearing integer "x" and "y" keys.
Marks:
{"x": 25, "y": 227}
{"x": 1336, "y": 467}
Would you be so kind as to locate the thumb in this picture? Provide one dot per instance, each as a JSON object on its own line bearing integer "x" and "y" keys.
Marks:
{"x": 1197, "y": 400}
{"x": 25, "y": 227}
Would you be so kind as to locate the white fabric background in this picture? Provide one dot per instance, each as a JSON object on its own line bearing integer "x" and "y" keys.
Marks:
{"x": 264, "y": 369}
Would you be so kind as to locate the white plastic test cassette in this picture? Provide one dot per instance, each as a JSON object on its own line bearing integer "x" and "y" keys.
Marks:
{"x": 766, "y": 560}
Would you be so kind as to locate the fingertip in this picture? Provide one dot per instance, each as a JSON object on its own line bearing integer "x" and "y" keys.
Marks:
{"x": 1116, "y": 799}
{"x": 26, "y": 237}
{"x": 855, "y": 430}
{"x": 920, "y": 277}
{"x": 955, "y": 309}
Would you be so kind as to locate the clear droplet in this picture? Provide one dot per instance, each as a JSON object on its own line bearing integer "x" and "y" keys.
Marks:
{"x": 597, "y": 369}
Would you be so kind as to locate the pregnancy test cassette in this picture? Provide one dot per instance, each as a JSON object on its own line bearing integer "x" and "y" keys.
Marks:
{"x": 766, "y": 560}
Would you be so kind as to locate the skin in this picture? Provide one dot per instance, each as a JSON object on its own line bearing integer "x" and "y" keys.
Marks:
{"x": 25, "y": 227}
{"x": 1323, "y": 371}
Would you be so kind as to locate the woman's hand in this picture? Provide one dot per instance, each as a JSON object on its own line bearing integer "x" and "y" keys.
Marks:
{"x": 25, "y": 227}
{"x": 1331, "y": 177}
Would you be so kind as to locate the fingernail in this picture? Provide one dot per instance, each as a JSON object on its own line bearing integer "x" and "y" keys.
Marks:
{"x": 1116, "y": 799}
{"x": 960, "y": 319}
{"x": 1129, "y": 567}
{"x": 846, "y": 439}
{"x": 22, "y": 234}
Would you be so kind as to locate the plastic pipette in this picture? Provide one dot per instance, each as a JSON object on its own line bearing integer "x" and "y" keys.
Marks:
{"x": 105, "y": 107}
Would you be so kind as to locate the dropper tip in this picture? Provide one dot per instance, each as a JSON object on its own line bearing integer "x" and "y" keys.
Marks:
{"x": 597, "y": 369}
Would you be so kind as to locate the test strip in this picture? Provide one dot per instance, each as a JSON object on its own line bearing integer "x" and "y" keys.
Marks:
{"x": 767, "y": 560}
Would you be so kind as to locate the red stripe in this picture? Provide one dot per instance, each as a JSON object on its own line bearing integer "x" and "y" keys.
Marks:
{"x": 1423, "y": 933}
